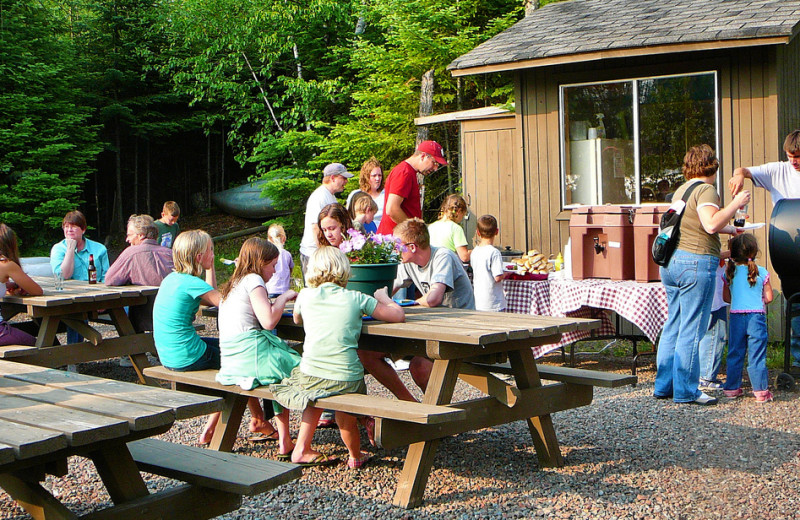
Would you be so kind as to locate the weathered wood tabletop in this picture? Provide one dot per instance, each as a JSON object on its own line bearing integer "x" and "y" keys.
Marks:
{"x": 454, "y": 339}
{"x": 72, "y": 306}
{"x": 47, "y": 415}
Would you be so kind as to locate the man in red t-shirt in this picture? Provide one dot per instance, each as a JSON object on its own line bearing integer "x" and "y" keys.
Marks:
{"x": 402, "y": 199}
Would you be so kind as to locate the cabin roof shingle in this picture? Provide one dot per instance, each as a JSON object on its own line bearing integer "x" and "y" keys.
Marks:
{"x": 575, "y": 27}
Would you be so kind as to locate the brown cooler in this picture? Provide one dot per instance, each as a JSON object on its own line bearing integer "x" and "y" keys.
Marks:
{"x": 602, "y": 242}
{"x": 645, "y": 230}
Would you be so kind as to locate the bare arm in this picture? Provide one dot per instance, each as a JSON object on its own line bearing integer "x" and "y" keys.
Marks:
{"x": 211, "y": 298}
{"x": 463, "y": 253}
{"x": 269, "y": 314}
{"x": 715, "y": 220}
{"x": 393, "y": 208}
{"x": 68, "y": 265}
{"x": 726, "y": 293}
{"x": 211, "y": 277}
{"x": 737, "y": 181}
{"x": 23, "y": 281}
{"x": 767, "y": 293}
{"x": 434, "y": 297}
{"x": 387, "y": 309}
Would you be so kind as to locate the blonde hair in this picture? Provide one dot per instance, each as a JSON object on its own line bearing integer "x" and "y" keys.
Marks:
{"x": 327, "y": 264}
{"x": 366, "y": 169}
{"x": 451, "y": 206}
{"x": 253, "y": 256}
{"x": 362, "y": 201}
{"x": 171, "y": 208}
{"x": 276, "y": 232}
{"x": 413, "y": 231}
{"x": 188, "y": 245}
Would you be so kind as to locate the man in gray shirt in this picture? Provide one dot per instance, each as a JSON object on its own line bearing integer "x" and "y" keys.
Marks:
{"x": 439, "y": 275}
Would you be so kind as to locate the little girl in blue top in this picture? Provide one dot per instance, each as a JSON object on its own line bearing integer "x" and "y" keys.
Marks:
{"x": 747, "y": 289}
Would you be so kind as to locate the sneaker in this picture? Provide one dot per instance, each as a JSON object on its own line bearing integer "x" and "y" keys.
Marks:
{"x": 763, "y": 396}
{"x": 125, "y": 361}
{"x": 326, "y": 420}
{"x": 72, "y": 368}
{"x": 705, "y": 400}
{"x": 733, "y": 394}
{"x": 705, "y": 384}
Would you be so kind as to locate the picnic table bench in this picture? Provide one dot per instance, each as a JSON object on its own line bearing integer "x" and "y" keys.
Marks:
{"x": 203, "y": 381}
{"x": 76, "y": 304}
{"x": 462, "y": 344}
{"x": 48, "y": 415}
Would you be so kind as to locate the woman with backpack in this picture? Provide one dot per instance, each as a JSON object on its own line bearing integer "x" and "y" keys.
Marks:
{"x": 688, "y": 278}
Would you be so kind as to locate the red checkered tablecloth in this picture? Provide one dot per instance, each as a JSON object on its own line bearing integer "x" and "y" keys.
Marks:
{"x": 643, "y": 304}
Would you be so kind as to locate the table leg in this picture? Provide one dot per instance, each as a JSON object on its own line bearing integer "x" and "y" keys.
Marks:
{"x": 35, "y": 499}
{"x": 419, "y": 459}
{"x": 125, "y": 328}
{"x": 119, "y": 473}
{"x": 228, "y": 426}
{"x": 523, "y": 366}
{"x": 47, "y": 331}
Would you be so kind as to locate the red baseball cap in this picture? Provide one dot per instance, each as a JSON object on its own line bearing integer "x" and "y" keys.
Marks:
{"x": 433, "y": 149}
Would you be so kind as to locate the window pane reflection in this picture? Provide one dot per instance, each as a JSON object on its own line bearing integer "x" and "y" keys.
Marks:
{"x": 674, "y": 115}
{"x": 599, "y": 144}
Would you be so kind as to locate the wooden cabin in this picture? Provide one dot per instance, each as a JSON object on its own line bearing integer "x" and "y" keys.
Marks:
{"x": 611, "y": 93}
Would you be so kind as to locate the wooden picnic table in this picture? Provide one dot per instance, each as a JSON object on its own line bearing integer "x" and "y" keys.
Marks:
{"x": 47, "y": 415}
{"x": 73, "y": 306}
{"x": 464, "y": 344}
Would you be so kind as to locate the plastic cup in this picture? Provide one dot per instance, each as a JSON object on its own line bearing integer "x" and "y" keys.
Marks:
{"x": 58, "y": 281}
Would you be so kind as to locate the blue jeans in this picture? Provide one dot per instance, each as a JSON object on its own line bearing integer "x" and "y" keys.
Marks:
{"x": 748, "y": 335}
{"x": 713, "y": 343}
{"x": 689, "y": 283}
{"x": 209, "y": 359}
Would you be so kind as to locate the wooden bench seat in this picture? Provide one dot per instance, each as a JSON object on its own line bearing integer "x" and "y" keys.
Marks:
{"x": 571, "y": 375}
{"x": 12, "y": 351}
{"x": 228, "y": 472}
{"x": 357, "y": 404}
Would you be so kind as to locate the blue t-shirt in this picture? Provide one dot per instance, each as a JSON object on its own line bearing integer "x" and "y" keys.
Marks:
{"x": 81, "y": 264}
{"x": 176, "y": 304}
{"x": 332, "y": 323}
{"x": 743, "y": 297}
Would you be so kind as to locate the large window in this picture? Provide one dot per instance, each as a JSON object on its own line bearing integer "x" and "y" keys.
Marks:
{"x": 624, "y": 141}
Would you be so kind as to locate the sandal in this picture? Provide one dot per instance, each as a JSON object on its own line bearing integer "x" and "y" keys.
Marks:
{"x": 284, "y": 457}
{"x": 359, "y": 462}
{"x": 318, "y": 460}
{"x": 368, "y": 423}
{"x": 263, "y": 437}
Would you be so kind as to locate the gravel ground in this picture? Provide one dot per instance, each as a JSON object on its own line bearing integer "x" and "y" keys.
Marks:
{"x": 627, "y": 456}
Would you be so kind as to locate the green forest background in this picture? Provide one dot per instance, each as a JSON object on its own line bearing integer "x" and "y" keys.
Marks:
{"x": 114, "y": 106}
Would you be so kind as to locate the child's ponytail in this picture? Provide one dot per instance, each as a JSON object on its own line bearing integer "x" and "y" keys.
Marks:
{"x": 744, "y": 249}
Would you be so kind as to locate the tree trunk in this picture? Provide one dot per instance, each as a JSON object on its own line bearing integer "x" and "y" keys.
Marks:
{"x": 148, "y": 203}
{"x": 222, "y": 159}
{"x": 208, "y": 171}
{"x": 530, "y": 6}
{"x": 116, "y": 220}
{"x": 136, "y": 175}
{"x": 425, "y": 103}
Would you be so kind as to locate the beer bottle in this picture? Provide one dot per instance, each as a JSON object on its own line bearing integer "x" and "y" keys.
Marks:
{"x": 92, "y": 270}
